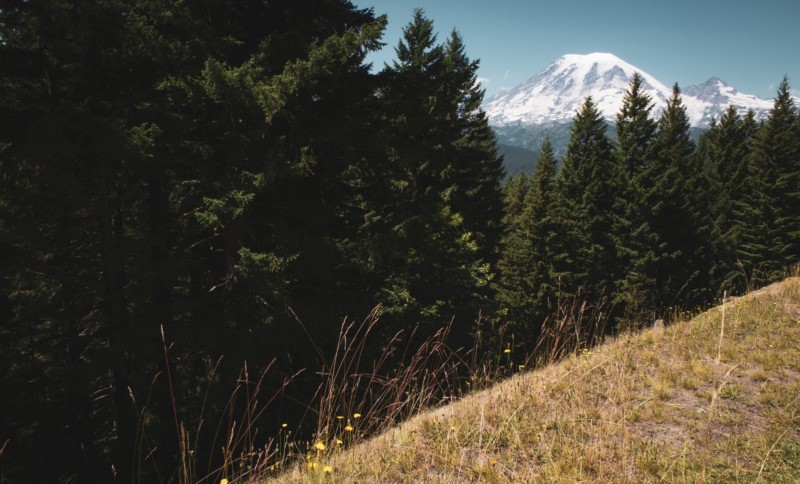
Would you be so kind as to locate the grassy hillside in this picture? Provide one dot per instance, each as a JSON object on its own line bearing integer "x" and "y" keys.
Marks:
{"x": 713, "y": 399}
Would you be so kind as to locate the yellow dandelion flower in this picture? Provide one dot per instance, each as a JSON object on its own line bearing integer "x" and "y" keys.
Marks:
{"x": 327, "y": 469}
{"x": 356, "y": 416}
{"x": 319, "y": 445}
{"x": 349, "y": 428}
{"x": 340, "y": 417}
{"x": 283, "y": 426}
{"x": 507, "y": 350}
{"x": 339, "y": 442}
{"x": 493, "y": 462}
{"x": 223, "y": 481}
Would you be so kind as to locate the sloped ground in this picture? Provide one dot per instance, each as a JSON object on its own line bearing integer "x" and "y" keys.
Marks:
{"x": 714, "y": 399}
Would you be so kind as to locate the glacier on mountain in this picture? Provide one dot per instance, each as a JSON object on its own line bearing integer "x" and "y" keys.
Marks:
{"x": 555, "y": 94}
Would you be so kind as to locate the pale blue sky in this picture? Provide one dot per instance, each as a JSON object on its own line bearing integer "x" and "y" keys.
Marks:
{"x": 748, "y": 44}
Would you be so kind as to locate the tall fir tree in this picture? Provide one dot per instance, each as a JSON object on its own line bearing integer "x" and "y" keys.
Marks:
{"x": 641, "y": 247}
{"x": 514, "y": 192}
{"x": 444, "y": 182}
{"x": 678, "y": 216}
{"x": 770, "y": 219}
{"x": 586, "y": 254}
{"x": 723, "y": 152}
{"x": 526, "y": 267}
{"x": 476, "y": 168}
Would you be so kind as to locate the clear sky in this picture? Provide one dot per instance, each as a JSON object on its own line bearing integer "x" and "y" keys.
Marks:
{"x": 748, "y": 44}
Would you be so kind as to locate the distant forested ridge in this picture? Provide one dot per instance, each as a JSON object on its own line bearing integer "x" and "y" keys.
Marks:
{"x": 193, "y": 193}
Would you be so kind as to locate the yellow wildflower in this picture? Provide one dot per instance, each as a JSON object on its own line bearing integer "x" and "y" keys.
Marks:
{"x": 327, "y": 469}
{"x": 283, "y": 426}
{"x": 521, "y": 367}
{"x": 356, "y": 416}
{"x": 223, "y": 481}
{"x": 349, "y": 428}
{"x": 319, "y": 445}
{"x": 339, "y": 442}
{"x": 493, "y": 462}
{"x": 340, "y": 417}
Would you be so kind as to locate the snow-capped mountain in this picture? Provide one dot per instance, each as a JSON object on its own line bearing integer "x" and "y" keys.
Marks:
{"x": 713, "y": 97}
{"x": 555, "y": 94}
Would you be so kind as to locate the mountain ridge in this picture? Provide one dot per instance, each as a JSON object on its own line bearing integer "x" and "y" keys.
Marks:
{"x": 556, "y": 92}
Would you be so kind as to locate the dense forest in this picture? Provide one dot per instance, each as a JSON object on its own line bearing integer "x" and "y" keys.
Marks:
{"x": 194, "y": 196}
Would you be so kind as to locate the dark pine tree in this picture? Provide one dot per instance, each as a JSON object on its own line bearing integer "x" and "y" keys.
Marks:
{"x": 723, "y": 152}
{"x": 641, "y": 247}
{"x": 770, "y": 219}
{"x": 476, "y": 169}
{"x": 678, "y": 216}
{"x": 527, "y": 285}
{"x": 514, "y": 192}
{"x": 443, "y": 182}
{"x": 586, "y": 255}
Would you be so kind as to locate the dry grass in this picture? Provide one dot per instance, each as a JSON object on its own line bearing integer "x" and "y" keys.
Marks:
{"x": 689, "y": 402}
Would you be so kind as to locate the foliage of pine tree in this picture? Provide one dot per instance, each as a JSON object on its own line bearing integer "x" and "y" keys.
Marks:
{"x": 445, "y": 181}
{"x": 526, "y": 267}
{"x": 723, "y": 152}
{"x": 215, "y": 170}
{"x": 586, "y": 257}
{"x": 676, "y": 209}
{"x": 641, "y": 247}
{"x": 476, "y": 168}
{"x": 514, "y": 192}
{"x": 769, "y": 219}
{"x": 510, "y": 291}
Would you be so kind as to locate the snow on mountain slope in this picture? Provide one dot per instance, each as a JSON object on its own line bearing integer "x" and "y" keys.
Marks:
{"x": 714, "y": 96}
{"x": 555, "y": 94}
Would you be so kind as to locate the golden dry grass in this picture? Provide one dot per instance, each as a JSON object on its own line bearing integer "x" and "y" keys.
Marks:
{"x": 714, "y": 399}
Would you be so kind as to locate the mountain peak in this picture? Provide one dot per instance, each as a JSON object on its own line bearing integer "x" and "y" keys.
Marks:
{"x": 598, "y": 58}
{"x": 556, "y": 92}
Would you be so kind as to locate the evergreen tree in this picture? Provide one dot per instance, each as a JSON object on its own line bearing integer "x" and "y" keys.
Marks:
{"x": 476, "y": 168}
{"x": 641, "y": 247}
{"x": 586, "y": 259}
{"x": 514, "y": 192}
{"x": 512, "y": 247}
{"x": 678, "y": 216}
{"x": 444, "y": 182}
{"x": 723, "y": 151}
{"x": 526, "y": 266}
{"x": 770, "y": 219}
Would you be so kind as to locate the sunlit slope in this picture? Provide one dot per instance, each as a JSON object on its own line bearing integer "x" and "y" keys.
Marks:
{"x": 713, "y": 399}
